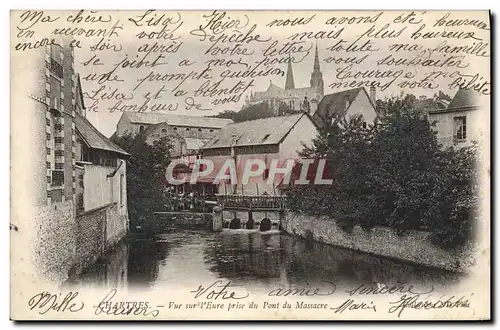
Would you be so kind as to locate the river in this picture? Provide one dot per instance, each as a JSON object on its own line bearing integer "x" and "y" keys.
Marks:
{"x": 259, "y": 261}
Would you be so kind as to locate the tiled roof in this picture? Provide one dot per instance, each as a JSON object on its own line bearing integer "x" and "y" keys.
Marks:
{"x": 336, "y": 102}
{"x": 194, "y": 144}
{"x": 334, "y": 105}
{"x": 254, "y": 132}
{"x": 176, "y": 120}
{"x": 464, "y": 98}
{"x": 93, "y": 138}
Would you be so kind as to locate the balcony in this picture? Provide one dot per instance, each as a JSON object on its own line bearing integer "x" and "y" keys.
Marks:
{"x": 252, "y": 203}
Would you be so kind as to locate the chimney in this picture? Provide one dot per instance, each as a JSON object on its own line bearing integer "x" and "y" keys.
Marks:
{"x": 373, "y": 94}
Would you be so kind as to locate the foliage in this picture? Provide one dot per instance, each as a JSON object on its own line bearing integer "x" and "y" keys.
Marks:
{"x": 145, "y": 176}
{"x": 391, "y": 106}
{"x": 393, "y": 174}
{"x": 255, "y": 111}
{"x": 226, "y": 114}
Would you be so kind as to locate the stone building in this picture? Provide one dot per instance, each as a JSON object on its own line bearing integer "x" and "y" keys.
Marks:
{"x": 53, "y": 111}
{"x": 186, "y": 133}
{"x": 459, "y": 123}
{"x": 101, "y": 192}
{"x": 296, "y": 99}
{"x": 268, "y": 139}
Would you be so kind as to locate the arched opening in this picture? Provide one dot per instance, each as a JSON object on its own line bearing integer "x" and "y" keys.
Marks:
{"x": 141, "y": 128}
{"x": 235, "y": 224}
{"x": 265, "y": 225}
{"x": 250, "y": 222}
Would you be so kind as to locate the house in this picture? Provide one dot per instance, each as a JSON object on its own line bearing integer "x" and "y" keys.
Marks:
{"x": 459, "y": 123}
{"x": 274, "y": 139}
{"x": 186, "y": 133}
{"x": 346, "y": 103}
{"x": 296, "y": 99}
{"x": 101, "y": 179}
{"x": 186, "y": 126}
{"x": 73, "y": 170}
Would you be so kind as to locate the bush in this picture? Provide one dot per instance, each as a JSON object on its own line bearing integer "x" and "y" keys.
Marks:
{"x": 393, "y": 174}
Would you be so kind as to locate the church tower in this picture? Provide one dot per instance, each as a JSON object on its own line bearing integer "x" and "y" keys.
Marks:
{"x": 289, "y": 84}
{"x": 316, "y": 76}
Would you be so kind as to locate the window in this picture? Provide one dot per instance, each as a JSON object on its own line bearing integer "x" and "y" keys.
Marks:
{"x": 175, "y": 129}
{"x": 460, "y": 129}
{"x": 364, "y": 124}
{"x": 122, "y": 177}
{"x": 57, "y": 178}
{"x": 141, "y": 128}
{"x": 56, "y": 68}
{"x": 164, "y": 130}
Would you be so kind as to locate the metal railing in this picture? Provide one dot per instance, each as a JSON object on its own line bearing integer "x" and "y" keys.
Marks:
{"x": 243, "y": 202}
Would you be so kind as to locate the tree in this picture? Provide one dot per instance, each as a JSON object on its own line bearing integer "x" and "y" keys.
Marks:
{"x": 226, "y": 114}
{"x": 255, "y": 111}
{"x": 146, "y": 183}
{"x": 395, "y": 175}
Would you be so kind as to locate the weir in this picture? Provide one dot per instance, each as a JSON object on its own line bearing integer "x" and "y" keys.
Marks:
{"x": 249, "y": 212}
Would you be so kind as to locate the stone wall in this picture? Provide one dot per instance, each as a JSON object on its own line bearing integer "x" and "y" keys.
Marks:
{"x": 116, "y": 224}
{"x": 414, "y": 247}
{"x": 91, "y": 237}
{"x": 97, "y": 231}
{"x": 55, "y": 240}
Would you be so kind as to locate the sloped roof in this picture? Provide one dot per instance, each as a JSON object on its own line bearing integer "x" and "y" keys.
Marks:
{"x": 262, "y": 131}
{"x": 93, "y": 138}
{"x": 335, "y": 104}
{"x": 194, "y": 144}
{"x": 464, "y": 98}
{"x": 431, "y": 104}
{"x": 176, "y": 120}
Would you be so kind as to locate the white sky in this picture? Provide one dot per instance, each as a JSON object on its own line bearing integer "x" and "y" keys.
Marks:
{"x": 193, "y": 49}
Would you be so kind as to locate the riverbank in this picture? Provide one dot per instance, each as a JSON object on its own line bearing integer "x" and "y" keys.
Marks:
{"x": 415, "y": 247}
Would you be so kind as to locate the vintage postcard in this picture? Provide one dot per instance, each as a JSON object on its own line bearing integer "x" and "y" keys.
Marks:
{"x": 250, "y": 165}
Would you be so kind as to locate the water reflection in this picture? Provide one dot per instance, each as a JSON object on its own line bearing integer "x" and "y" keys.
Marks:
{"x": 259, "y": 260}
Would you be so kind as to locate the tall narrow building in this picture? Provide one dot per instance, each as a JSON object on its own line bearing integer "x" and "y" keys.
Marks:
{"x": 316, "y": 75}
{"x": 289, "y": 84}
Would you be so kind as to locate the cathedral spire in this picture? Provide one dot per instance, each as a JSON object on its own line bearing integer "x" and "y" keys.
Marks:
{"x": 289, "y": 84}
{"x": 316, "y": 75}
{"x": 316, "y": 59}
